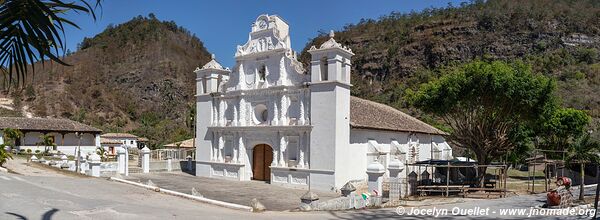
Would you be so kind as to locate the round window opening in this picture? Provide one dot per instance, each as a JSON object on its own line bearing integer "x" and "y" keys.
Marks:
{"x": 261, "y": 114}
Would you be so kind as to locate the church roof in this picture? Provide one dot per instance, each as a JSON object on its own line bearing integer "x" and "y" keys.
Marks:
{"x": 189, "y": 143}
{"x": 109, "y": 141}
{"x": 118, "y": 135}
{"x": 213, "y": 64}
{"x": 372, "y": 115}
{"x": 45, "y": 124}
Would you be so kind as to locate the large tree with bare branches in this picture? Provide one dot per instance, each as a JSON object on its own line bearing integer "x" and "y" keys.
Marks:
{"x": 487, "y": 104}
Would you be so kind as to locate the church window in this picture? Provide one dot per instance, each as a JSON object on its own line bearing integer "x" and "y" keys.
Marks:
{"x": 344, "y": 70}
{"x": 294, "y": 110}
{"x": 228, "y": 149}
{"x": 203, "y": 85}
{"x": 292, "y": 151}
{"x": 262, "y": 73}
{"x": 261, "y": 114}
{"x": 324, "y": 69}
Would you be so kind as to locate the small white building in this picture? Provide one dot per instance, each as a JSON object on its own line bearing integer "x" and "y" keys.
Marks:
{"x": 270, "y": 119}
{"x": 126, "y": 140}
{"x": 67, "y": 135}
{"x": 110, "y": 146}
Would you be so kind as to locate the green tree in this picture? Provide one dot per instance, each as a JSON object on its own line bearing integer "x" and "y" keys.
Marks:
{"x": 47, "y": 141}
{"x": 32, "y": 31}
{"x": 584, "y": 150}
{"x": 11, "y": 136}
{"x": 562, "y": 127}
{"x": 101, "y": 151}
{"x": 4, "y": 155}
{"x": 486, "y": 104}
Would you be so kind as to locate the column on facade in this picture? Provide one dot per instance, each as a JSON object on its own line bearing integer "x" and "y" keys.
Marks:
{"x": 301, "y": 120}
{"x": 234, "y": 122}
{"x": 242, "y": 76}
{"x": 306, "y": 149}
{"x": 215, "y": 115}
{"x": 275, "y": 152}
{"x": 235, "y": 148}
{"x": 282, "y": 71}
{"x": 285, "y": 102}
{"x": 221, "y": 112}
{"x": 283, "y": 151}
{"x": 306, "y": 106}
{"x": 212, "y": 147}
{"x": 221, "y": 146}
{"x": 275, "y": 113}
{"x": 301, "y": 143}
{"x": 242, "y": 113}
{"x": 241, "y": 148}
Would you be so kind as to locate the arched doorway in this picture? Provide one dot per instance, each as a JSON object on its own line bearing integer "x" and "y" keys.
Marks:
{"x": 262, "y": 156}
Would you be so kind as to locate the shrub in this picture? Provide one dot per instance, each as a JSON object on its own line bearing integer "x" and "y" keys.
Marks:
{"x": 28, "y": 151}
{"x": 37, "y": 151}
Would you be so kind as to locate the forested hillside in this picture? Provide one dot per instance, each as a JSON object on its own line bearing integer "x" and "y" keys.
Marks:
{"x": 133, "y": 77}
{"x": 558, "y": 38}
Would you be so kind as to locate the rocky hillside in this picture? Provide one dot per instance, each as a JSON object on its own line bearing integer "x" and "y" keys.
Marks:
{"x": 134, "y": 77}
{"x": 559, "y": 38}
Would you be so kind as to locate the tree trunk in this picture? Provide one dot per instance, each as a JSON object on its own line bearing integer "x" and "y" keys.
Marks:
{"x": 597, "y": 190}
{"x": 582, "y": 174}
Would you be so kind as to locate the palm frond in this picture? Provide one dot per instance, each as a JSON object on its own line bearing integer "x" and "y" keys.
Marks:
{"x": 32, "y": 31}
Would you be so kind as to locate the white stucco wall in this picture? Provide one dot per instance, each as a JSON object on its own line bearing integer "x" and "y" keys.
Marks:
{"x": 127, "y": 142}
{"x": 89, "y": 142}
{"x": 299, "y": 104}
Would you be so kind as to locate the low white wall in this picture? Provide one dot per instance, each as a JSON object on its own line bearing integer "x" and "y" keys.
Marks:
{"x": 68, "y": 150}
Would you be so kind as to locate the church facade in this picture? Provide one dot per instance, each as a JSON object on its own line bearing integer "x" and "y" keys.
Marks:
{"x": 270, "y": 119}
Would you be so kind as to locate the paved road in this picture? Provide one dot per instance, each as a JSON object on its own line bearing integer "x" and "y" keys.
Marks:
{"x": 275, "y": 198}
{"x": 65, "y": 197}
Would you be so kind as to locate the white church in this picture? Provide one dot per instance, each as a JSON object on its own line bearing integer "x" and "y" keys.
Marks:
{"x": 270, "y": 119}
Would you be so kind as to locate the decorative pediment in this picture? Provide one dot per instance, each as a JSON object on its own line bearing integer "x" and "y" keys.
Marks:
{"x": 213, "y": 64}
{"x": 268, "y": 33}
{"x": 259, "y": 45}
{"x": 331, "y": 43}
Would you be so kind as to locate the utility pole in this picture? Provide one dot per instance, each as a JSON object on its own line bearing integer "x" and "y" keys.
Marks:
{"x": 78, "y": 163}
{"x": 194, "y": 133}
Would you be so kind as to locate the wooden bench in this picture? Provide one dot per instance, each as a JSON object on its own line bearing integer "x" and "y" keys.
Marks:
{"x": 488, "y": 191}
{"x": 423, "y": 190}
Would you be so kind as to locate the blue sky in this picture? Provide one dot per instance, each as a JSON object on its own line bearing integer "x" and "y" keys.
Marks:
{"x": 223, "y": 24}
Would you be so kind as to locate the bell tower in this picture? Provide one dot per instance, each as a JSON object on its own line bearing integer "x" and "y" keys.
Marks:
{"x": 330, "y": 113}
{"x": 208, "y": 81}
{"x": 210, "y": 76}
{"x": 330, "y": 62}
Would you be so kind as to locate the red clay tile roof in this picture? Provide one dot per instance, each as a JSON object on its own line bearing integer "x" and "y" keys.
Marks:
{"x": 45, "y": 124}
{"x": 118, "y": 135}
{"x": 372, "y": 115}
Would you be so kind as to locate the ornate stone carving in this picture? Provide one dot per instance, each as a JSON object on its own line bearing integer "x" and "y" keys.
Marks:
{"x": 275, "y": 114}
{"x": 241, "y": 147}
{"x": 282, "y": 149}
{"x": 220, "y": 150}
{"x": 222, "y": 107}
{"x": 284, "y": 109}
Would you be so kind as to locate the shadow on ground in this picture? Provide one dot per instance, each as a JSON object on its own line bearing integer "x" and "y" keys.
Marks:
{"x": 46, "y": 216}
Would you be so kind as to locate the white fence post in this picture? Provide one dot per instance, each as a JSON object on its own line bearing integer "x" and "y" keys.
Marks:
{"x": 122, "y": 155}
{"x": 95, "y": 165}
{"x": 169, "y": 165}
{"x": 189, "y": 163}
{"x": 375, "y": 173}
{"x": 145, "y": 160}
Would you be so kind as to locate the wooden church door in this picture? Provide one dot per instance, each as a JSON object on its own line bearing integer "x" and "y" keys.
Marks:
{"x": 262, "y": 156}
